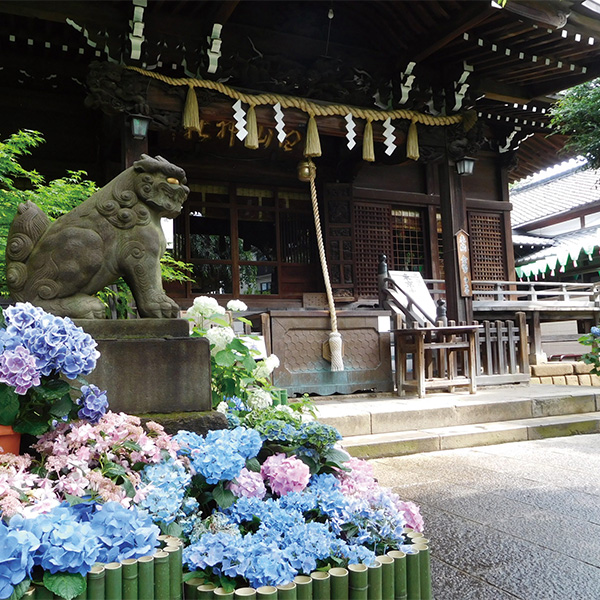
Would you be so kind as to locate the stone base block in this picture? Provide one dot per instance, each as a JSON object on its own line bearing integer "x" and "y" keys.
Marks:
{"x": 151, "y": 365}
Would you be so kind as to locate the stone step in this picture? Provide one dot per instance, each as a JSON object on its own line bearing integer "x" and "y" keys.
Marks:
{"x": 379, "y": 415}
{"x": 466, "y": 436}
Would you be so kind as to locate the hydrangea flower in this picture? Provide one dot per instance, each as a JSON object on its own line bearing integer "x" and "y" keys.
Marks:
{"x": 595, "y": 331}
{"x": 93, "y": 403}
{"x": 259, "y": 399}
{"x": 65, "y": 544}
{"x": 123, "y": 532}
{"x": 319, "y": 435}
{"x": 18, "y": 369}
{"x": 166, "y": 487}
{"x": 204, "y": 307}
{"x": 236, "y": 306}
{"x": 265, "y": 367}
{"x": 285, "y": 474}
{"x": 219, "y": 337}
{"x": 16, "y": 558}
{"x": 275, "y": 430}
{"x": 56, "y": 342}
{"x": 248, "y": 484}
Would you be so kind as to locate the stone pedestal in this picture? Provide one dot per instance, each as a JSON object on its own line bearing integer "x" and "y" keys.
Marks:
{"x": 150, "y": 365}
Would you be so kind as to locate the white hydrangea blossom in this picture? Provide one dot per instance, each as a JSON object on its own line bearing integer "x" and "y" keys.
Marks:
{"x": 259, "y": 399}
{"x": 219, "y": 337}
{"x": 205, "y": 307}
{"x": 222, "y": 407}
{"x": 272, "y": 361}
{"x": 236, "y": 306}
{"x": 265, "y": 367}
{"x": 284, "y": 408}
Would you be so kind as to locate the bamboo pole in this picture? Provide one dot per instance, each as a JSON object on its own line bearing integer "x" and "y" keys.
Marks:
{"x": 321, "y": 582}
{"x": 146, "y": 577}
{"x": 114, "y": 581}
{"x": 359, "y": 582}
{"x": 221, "y": 593}
{"x": 245, "y": 592}
{"x": 267, "y": 592}
{"x": 96, "y": 582}
{"x": 205, "y": 591}
{"x": 387, "y": 576}
{"x": 161, "y": 575}
{"x": 287, "y": 591}
{"x": 399, "y": 574}
{"x": 303, "y": 587}
{"x": 130, "y": 579}
{"x": 374, "y": 581}
{"x": 190, "y": 588}
{"x": 339, "y": 579}
{"x": 175, "y": 571}
{"x": 413, "y": 574}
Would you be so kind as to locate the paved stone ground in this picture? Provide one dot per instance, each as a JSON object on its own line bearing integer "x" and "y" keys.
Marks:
{"x": 518, "y": 520}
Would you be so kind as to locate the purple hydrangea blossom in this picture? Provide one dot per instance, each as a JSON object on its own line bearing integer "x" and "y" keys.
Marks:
{"x": 94, "y": 403}
{"x": 18, "y": 369}
{"x": 56, "y": 342}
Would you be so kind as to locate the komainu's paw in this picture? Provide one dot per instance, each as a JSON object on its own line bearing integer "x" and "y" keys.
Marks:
{"x": 159, "y": 307}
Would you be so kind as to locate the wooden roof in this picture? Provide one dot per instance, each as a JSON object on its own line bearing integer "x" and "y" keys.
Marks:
{"x": 506, "y": 63}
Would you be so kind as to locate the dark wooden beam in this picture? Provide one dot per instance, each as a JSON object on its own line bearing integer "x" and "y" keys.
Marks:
{"x": 441, "y": 38}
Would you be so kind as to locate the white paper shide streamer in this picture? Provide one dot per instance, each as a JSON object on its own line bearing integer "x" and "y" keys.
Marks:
{"x": 390, "y": 136}
{"x": 279, "y": 124}
{"x": 239, "y": 114}
{"x": 350, "y": 133}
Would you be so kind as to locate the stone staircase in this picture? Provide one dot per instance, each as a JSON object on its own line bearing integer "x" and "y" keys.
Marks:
{"x": 377, "y": 425}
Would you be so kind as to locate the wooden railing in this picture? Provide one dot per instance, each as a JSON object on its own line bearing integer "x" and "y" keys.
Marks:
{"x": 527, "y": 291}
{"x": 503, "y": 354}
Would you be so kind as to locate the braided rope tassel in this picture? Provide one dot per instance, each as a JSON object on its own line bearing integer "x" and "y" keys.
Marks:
{"x": 335, "y": 339}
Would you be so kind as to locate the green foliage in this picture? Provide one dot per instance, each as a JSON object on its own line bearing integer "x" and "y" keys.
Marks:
{"x": 175, "y": 270}
{"x": 34, "y": 411}
{"x": 593, "y": 356}
{"x": 65, "y": 585}
{"x": 18, "y": 185}
{"x": 577, "y": 114}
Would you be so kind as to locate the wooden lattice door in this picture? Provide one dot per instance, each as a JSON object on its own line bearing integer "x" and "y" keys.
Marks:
{"x": 488, "y": 253}
{"x": 372, "y": 237}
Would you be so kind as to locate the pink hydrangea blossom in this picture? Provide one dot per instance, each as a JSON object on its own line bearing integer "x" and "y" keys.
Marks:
{"x": 360, "y": 482}
{"x": 285, "y": 474}
{"x": 248, "y": 484}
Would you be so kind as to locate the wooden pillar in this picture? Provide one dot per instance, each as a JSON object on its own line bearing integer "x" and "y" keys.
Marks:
{"x": 131, "y": 148}
{"x": 454, "y": 217}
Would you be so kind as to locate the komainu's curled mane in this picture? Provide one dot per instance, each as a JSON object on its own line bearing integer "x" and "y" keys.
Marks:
{"x": 115, "y": 233}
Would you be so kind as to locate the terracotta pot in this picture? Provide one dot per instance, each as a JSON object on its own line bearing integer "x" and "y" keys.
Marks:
{"x": 10, "y": 440}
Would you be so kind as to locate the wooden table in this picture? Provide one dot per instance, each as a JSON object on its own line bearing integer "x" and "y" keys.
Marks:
{"x": 433, "y": 347}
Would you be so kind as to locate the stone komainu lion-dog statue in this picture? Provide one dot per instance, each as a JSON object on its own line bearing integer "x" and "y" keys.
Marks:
{"x": 116, "y": 232}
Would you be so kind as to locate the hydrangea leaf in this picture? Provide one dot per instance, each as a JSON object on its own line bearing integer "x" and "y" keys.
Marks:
{"x": 173, "y": 529}
{"x": 225, "y": 358}
{"x": 20, "y": 589}
{"x": 253, "y": 465}
{"x": 237, "y": 344}
{"x": 52, "y": 389}
{"x": 65, "y": 585}
{"x": 31, "y": 425}
{"x": 335, "y": 457}
{"x": 248, "y": 363}
{"x": 62, "y": 407}
{"x": 224, "y": 498}
{"x": 9, "y": 405}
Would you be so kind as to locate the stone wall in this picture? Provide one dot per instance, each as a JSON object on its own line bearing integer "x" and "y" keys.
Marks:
{"x": 564, "y": 373}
